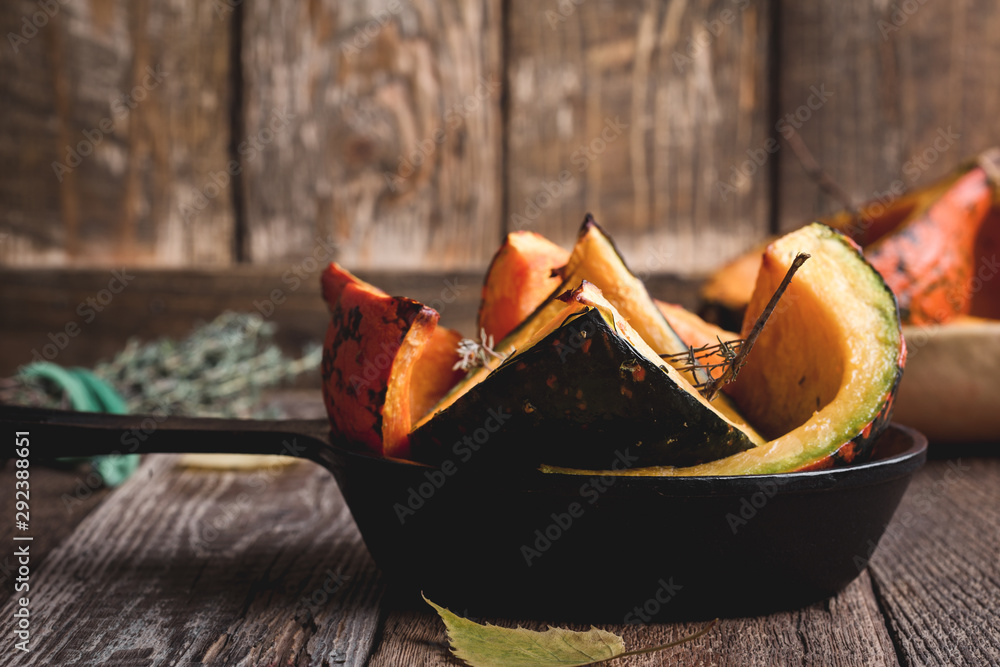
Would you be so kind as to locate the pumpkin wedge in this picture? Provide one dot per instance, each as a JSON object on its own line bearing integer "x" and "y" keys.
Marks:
{"x": 929, "y": 261}
{"x": 582, "y": 390}
{"x": 519, "y": 278}
{"x": 385, "y": 362}
{"x": 596, "y": 259}
{"x": 821, "y": 379}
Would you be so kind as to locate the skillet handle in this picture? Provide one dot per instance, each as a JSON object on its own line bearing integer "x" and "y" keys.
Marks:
{"x": 63, "y": 433}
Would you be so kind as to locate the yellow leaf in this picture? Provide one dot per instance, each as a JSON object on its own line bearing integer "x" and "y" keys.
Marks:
{"x": 492, "y": 646}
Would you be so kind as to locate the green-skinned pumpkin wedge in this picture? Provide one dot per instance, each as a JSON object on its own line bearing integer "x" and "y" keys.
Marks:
{"x": 596, "y": 259}
{"x": 582, "y": 389}
{"x": 821, "y": 379}
{"x": 385, "y": 362}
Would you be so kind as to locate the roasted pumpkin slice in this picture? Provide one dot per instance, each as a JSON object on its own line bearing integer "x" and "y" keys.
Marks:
{"x": 596, "y": 260}
{"x": 929, "y": 260}
{"x": 385, "y": 361}
{"x": 821, "y": 379}
{"x": 434, "y": 371}
{"x": 520, "y": 277}
{"x": 582, "y": 390}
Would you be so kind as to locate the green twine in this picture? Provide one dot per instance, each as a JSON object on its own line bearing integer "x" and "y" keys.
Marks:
{"x": 89, "y": 393}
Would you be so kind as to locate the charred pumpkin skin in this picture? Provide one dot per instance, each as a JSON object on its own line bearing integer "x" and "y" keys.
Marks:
{"x": 985, "y": 287}
{"x": 860, "y": 448}
{"x": 384, "y": 361}
{"x": 371, "y": 345}
{"x": 929, "y": 262}
{"x": 520, "y": 277}
{"x": 576, "y": 397}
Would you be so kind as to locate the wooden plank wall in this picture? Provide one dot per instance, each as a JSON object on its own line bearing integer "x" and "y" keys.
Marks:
{"x": 114, "y": 116}
{"x": 638, "y": 112}
{"x": 912, "y": 89}
{"x": 412, "y": 134}
{"x": 393, "y": 145}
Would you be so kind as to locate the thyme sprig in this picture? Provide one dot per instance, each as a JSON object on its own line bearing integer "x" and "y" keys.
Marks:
{"x": 476, "y": 353}
{"x": 734, "y": 352}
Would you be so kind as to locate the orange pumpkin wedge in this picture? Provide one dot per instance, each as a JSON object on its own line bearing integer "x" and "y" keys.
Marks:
{"x": 384, "y": 362}
{"x": 929, "y": 260}
{"x": 519, "y": 278}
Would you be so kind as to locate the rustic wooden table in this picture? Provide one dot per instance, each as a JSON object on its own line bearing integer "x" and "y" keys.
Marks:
{"x": 266, "y": 567}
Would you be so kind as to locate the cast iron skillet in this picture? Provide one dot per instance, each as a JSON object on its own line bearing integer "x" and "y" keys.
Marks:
{"x": 523, "y": 543}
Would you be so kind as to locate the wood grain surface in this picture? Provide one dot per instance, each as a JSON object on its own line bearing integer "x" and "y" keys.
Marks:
{"x": 379, "y": 123}
{"x": 641, "y": 113}
{"x": 937, "y": 570}
{"x": 911, "y": 91}
{"x": 115, "y": 117}
{"x": 68, "y": 495}
{"x": 258, "y": 568}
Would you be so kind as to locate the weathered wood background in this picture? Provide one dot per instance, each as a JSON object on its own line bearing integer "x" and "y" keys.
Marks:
{"x": 416, "y": 133}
